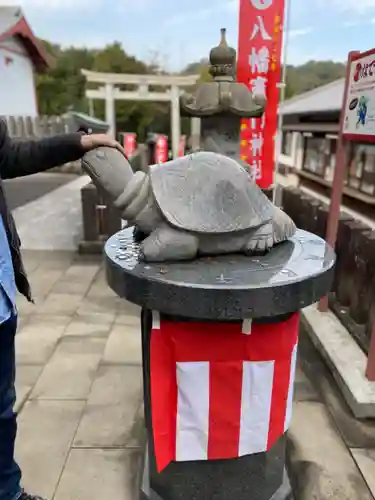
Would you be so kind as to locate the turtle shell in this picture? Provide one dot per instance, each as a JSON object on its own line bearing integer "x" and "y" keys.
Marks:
{"x": 209, "y": 193}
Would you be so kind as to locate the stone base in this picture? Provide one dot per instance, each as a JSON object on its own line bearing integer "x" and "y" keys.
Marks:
{"x": 147, "y": 493}
{"x": 255, "y": 476}
{"x": 225, "y": 287}
{"x": 285, "y": 490}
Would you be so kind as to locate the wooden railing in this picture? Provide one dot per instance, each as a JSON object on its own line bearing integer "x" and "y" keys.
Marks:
{"x": 352, "y": 297}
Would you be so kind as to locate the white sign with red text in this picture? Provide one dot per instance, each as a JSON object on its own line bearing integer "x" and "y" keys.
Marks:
{"x": 359, "y": 120}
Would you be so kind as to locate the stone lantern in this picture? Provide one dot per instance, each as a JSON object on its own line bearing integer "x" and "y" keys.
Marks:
{"x": 222, "y": 103}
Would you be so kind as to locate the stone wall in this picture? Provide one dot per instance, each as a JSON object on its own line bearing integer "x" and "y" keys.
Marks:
{"x": 24, "y": 128}
{"x": 352, "y": 297}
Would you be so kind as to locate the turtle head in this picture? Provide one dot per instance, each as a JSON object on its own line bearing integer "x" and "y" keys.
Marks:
{"x": 111, "y": 172}
{"x": 108, "y": 169}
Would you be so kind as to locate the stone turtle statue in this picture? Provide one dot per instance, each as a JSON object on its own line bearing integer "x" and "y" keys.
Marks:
{"x": 201, "y": 204}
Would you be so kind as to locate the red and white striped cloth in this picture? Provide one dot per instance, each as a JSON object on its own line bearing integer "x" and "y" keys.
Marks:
{"x": 220, "y": 390}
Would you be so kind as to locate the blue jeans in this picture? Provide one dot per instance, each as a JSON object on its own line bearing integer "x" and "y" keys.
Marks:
{"x": 10, "y": 473}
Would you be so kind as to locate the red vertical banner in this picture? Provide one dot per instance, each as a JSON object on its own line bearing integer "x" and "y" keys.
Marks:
{"x": 161, "y": 149}
{"x": 130, "y": 143}
{"x": 259, "y": 67}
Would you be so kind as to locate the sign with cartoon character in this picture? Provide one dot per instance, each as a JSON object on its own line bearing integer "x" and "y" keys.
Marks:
{"x": 359, "y": 117}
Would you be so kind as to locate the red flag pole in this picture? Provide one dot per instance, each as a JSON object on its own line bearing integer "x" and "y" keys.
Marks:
{"x": 276, "y": 195}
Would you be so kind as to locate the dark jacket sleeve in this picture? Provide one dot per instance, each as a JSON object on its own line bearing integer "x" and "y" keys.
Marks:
{"x": 18, "y": 158}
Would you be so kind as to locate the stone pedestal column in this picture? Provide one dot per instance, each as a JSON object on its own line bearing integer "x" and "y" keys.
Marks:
{"x": 219, "y": 342}
{"x": 175, "y": 120}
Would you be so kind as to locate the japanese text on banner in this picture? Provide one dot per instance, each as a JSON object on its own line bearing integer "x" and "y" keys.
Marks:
{"x": 259, "y": 55}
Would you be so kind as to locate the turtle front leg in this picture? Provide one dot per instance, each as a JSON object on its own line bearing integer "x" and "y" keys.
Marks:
{"x": 260, "y": 240}
{"x": 279, "y": 229}
{"x": 168, "y": 244}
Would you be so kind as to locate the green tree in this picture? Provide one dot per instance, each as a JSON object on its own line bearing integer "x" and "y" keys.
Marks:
{"x": 132, "y": 116}
{"x": 311, "y": 75}
{"x": 63, "y": 86}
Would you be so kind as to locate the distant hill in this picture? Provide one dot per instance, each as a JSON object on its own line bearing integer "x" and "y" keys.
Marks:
{"x": 312, "y": 74}
{"x": 300, "y": 79}
{"x": 196, "y": 67}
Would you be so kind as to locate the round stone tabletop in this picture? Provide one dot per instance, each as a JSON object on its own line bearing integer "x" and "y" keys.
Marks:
{"x": 292, "y": 275}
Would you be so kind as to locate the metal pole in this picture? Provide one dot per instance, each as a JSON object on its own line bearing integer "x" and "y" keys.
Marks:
{"x": 282, "y": 86}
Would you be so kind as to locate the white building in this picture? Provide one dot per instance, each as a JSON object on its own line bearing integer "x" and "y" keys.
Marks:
{"x": 21, "y": 55}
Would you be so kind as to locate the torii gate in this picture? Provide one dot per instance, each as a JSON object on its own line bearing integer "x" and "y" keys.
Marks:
{"x": 141, "y": 92}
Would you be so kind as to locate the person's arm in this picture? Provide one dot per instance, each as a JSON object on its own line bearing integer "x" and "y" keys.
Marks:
{"x": 19, "y": 158}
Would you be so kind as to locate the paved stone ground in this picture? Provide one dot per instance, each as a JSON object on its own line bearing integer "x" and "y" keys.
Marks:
{"x": 53, "y": 221}
{"x": 23, "y": 190}
{"x": 80, "y": 396}
{"x": 332, "y": 455}
{"x": 78, "y": 381}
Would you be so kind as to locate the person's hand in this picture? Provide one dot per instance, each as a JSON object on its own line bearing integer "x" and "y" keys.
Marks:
{"x": 93, "y": 141}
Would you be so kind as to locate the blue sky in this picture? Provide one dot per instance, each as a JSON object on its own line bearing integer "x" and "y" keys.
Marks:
{"x": 184, "y": 31}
